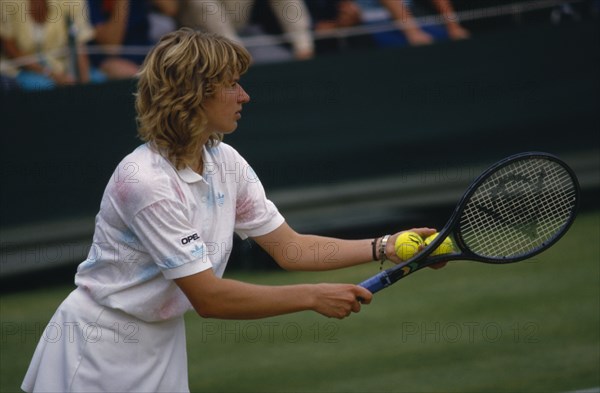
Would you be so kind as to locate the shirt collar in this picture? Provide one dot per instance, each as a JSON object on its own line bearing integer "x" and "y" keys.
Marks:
{"x": 189, "y": 176}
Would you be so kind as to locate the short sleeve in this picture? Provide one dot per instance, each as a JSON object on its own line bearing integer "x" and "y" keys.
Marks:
{"x": 255, "y": 215}
{"x": 167, "y": 235}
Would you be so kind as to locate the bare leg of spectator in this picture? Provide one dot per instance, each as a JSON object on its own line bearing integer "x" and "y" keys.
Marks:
{"x": 455, "y": 30}
{"x": 118, "y": 68}
{"x": 409, "y": 26}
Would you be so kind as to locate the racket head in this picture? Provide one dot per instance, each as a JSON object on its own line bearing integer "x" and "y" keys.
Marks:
{"x": 516, "y": 209}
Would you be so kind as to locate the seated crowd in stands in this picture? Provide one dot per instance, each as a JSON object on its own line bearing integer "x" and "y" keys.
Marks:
{"x": 46, "y": 43}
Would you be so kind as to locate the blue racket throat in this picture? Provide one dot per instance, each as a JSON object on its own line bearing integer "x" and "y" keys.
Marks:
{"x": 377, "y": 282}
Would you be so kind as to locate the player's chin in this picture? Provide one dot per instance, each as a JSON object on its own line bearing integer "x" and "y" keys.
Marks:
{"x": 229, "y": 129}
{"x": 233, "y": 126}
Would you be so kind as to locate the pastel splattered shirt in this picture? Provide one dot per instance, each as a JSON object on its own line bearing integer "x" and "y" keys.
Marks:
{"x": 157, "y": 223}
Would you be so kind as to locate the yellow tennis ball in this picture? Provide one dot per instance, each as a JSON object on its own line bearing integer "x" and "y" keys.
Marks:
{"x": 407, "y": 245}
{"x": 446, "y": 247}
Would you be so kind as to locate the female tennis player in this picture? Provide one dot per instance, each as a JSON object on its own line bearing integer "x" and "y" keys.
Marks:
{"x": 164, "y": 234}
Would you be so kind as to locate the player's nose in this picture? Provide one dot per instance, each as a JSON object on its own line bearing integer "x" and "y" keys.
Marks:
{"x": 243, "y": 97}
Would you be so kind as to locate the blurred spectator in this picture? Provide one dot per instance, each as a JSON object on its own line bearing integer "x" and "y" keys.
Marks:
{"x": 330, "y": 15}
{"x": 415, "y": 35}
{"x": 8, "y": 72}
{"x": 38, "y": 32}
{"x": 163, "y": 18}
{"x": 230, "y": 17}
{"x": 122, "y": 23}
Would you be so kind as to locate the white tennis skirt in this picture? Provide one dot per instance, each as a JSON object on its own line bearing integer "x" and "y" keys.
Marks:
{"x": 87, "y": 347}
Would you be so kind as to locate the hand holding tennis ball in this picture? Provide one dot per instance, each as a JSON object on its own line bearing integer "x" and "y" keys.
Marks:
{"x": 408, "y": 244}
{"x": 446, "y": 247}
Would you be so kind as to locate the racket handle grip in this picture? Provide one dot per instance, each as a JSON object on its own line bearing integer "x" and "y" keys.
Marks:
{"x": 377, "y": 282}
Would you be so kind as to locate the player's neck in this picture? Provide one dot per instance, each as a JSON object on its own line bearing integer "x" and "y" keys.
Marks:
{"x": 198, "y": 164}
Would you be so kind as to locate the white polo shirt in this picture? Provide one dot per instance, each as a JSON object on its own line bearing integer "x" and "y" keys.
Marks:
{"x": 157, "y": 223}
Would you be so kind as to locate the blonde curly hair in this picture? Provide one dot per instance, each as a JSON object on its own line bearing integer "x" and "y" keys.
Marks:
{"x": 179, "y": 73}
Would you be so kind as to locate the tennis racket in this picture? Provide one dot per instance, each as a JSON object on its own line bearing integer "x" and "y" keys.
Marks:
{"x": 516, "y": 209}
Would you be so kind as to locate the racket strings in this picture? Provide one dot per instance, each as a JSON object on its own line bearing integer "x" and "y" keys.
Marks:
{"x": 518, "y": 209}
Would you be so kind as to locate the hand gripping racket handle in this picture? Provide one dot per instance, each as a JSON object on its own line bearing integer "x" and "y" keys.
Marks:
{"x": 377, "y": 282}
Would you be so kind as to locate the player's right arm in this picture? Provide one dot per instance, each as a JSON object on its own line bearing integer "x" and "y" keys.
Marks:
{"x": 214, "y": 297}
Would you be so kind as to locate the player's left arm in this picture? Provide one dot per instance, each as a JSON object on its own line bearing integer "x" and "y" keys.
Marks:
{"x": 300, "y": 252}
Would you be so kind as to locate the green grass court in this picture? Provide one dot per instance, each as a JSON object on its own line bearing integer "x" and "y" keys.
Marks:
{"x": 527, "y": 327}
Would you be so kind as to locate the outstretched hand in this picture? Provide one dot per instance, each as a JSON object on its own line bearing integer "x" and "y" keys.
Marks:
{"x": 424, "y": 232}
{"x": 390, "y": 251}
{"x": 340, "y": 300}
